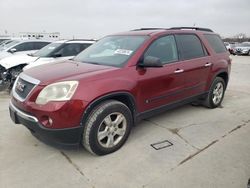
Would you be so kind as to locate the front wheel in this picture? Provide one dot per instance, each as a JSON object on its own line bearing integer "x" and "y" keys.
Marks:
{"x": 107, "y": 127}
{"x": 216, "y": 93}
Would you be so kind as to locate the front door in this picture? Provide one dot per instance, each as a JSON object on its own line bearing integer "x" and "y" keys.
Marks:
{"x": 162, "y": 85}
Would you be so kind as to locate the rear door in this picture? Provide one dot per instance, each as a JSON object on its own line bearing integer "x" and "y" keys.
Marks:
{"x": 196, "y": 63}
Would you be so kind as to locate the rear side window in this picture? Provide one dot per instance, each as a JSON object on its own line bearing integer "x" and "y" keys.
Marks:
{"x": 189, "y": 46}
{"x": 84, "y": 46}
{"x": 216, "y": 43}
{"x": 163, "y": 48}
{"x": 39, "y": 45}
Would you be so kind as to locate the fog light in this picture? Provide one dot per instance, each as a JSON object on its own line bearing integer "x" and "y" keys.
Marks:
{"x": 46, "y": 121}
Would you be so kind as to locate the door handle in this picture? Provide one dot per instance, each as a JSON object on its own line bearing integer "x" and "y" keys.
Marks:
{"x": 208, "y": 64}
{"x": 178, "y": 71}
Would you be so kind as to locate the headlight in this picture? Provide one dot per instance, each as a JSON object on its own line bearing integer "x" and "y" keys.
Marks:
{"x": 60, "y": 91}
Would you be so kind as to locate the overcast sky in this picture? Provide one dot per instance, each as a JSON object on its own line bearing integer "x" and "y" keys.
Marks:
{"x": 97, "y": 18}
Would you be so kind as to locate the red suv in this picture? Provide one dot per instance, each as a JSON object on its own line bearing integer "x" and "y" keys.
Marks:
{"x": 95, "y": 98}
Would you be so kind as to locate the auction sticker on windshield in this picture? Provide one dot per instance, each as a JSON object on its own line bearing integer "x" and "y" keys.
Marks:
{"x": 123, "y": 52}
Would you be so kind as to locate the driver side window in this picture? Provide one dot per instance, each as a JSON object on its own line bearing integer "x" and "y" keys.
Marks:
{"x": 163, "y": 48}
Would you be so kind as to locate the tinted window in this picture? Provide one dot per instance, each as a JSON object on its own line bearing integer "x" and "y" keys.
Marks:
{"x": 24, "y": 46}
{"x": 39, "y": 45}
{"x": 84, "y": 46}
{"x": 48, "y": 50}
{"x": 190, "y": 46}
{"x": 71, "y": 49}
{"x": 163, "y": 48}
{"x": 216, "y": 43}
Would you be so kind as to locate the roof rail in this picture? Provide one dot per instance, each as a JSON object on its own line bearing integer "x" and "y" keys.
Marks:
{"x": 141, "y": 29}
{"x": 193, "y": 28}
{"x": 82, "y": 39}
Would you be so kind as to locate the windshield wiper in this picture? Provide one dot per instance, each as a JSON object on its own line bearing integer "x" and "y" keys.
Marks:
{"x": 88, "y": 62}
{"x": 94, "y": 63}
{"x": 32, "y": 55}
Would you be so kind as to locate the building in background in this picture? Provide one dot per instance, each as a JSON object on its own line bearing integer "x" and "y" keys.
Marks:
{"x": 40, "y": 35}
{"x": 4, "y": 37}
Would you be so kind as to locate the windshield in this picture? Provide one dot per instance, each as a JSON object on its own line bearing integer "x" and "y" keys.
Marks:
{"x": 48, "y": 50}
{"x": 112, "y": 50}
{"x": 5, "y": 46}
{"x": 244, "y": 44}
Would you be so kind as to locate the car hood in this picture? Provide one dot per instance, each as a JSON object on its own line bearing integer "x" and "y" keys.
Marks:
{"x": 66, "y": 70}
{"x": 45, "y": 60}
{"x": 4, "y": 54}
{"x": 15, "y": 60}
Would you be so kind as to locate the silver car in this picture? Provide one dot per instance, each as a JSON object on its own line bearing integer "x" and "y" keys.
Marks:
{"x": 21, "y": 47}
{"x": 243, "y": 48}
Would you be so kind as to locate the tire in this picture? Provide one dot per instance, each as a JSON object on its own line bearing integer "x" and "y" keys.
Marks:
{"x": 107, "y": 127}
{"x": 216, "y": 93}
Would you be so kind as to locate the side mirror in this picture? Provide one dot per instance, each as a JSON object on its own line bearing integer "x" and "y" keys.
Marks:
{"x": 12, "y": 50}
{"x": 57, "y": 55}
{"x": 150, "y": 61}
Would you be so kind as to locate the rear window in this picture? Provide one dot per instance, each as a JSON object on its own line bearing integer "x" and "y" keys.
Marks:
{"x": 190, "y": 46}
{"x": 216, "y": 43}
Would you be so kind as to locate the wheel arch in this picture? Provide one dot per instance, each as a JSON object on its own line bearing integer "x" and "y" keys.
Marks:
{"x": 224, "y": 76}
{"x": 124, "y": 97}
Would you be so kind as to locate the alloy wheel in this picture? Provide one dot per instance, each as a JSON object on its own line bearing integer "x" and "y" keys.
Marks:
{"x": 112, "y": 130}
{"x": 218, "y": 93}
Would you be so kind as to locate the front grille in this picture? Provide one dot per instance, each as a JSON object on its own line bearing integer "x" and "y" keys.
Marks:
{"x": 23, "y": 86}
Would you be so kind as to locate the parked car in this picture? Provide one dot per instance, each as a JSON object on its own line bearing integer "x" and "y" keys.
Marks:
{"x": 21, "y": 47}
{"x": 230, "y": 47}
{"x": 243, "y": 48}
{"x": 10, "y": 67}
{"x": 94, "y": 99}
{"x": 60, "y": 50}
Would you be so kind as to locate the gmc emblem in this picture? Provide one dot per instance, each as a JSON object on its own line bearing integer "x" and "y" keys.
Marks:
{"x": 20, "y": 86}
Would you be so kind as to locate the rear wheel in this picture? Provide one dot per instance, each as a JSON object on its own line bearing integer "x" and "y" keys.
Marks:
{"x": 107, "y": 127}
{"x": 216, "y": 93}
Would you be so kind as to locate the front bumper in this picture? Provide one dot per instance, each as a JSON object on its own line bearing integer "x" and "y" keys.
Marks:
{"x": 66, "y": 138}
